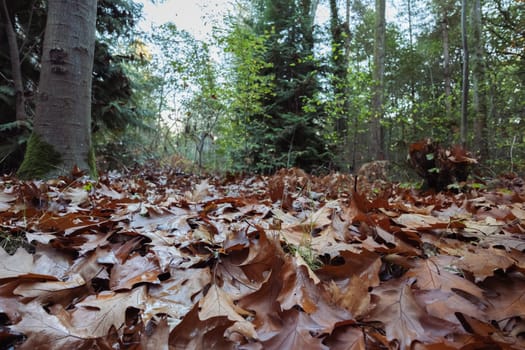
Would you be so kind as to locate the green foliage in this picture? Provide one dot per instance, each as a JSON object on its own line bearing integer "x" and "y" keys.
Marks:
{"x": 244, "y": 95}
{"x": 293, "y": 112}
{"x": 191, "y": 78}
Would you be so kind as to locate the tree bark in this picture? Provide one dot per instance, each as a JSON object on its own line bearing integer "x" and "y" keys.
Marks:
{"x": 411, "y": 45}
{"x": 61, "y": 136}
{"x": 465, "y": 84}
{"x": 376, "y": 147}
{"x": 446, "y": 63}
{"x": 21, "y": 114}
{"x": 340, "y": 31}
{"x": 479, "y": 103}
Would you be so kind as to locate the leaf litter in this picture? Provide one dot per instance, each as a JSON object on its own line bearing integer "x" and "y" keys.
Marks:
{"x": 153, "y": 259}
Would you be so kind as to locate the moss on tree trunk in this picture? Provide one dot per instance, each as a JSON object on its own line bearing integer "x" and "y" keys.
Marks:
{"x": 41, "y": 159}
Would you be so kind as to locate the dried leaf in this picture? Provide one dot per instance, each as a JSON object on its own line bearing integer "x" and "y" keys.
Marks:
{"x": 217, "y": 303}
{"x": 136, "y": 269}
{"x": 21, "y": 265}
{"x": 97, "y": 314}
{"x": 297, "y": 331}
{"x": 404, "y": 319}
{"x": 5, "y": 200}
{"x": 46, "y": 331}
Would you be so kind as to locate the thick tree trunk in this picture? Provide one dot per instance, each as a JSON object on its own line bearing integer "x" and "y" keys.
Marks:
{"x": 465, "y": 84}
{"x": 62, "y": 128}
{"x": 376, "y": 147}
{"x": 479, "y": 103}
{"x": 21, "y": 114}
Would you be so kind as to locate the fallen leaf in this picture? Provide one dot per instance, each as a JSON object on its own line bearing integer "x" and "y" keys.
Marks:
{"x": 156, "y": 334}
{"x": 297, "y": 331}
{"x": 217, "y": 303}
{"x": 136, "y": 269}
{"x": 95, "y": 315}
{"x": 298, "y": 289}
{"x": 177, "y": 295}
{"x": 405, "y": 321}
{"x": 21, "y": 265}
{"x": 346, "y": 338}
{"x": 5, "y": 200}
{"x": 193, "y": 333}
{"x": 508, "y": 296}
{"x": 46, "y": 331}
{"x": 432, "y": 274}
{"x": 49, "y": 291}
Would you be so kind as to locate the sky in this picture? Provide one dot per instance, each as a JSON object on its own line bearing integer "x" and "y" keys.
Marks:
{"x": 194, "y": 16}
{"x": 198, "y": 16}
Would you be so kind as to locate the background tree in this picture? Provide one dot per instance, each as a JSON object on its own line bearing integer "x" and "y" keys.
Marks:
{"x": 15, "y": 62}
{"x": 61, "y": 137}
{"x": 340, "y": 65}
{"x": 292, "y": 115}
{"x": 445, "y": 9}
{"x": 465, "y": 75}
{"x": 505, "y": 63}
{"x": 30, "y": 16}
{"x": 376, "y": 141}
{"x": 246, "y": 91}
{"x": 478, "y": 84}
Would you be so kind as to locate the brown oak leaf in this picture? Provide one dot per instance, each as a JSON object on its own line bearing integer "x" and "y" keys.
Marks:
{"x": 404, "y": 319}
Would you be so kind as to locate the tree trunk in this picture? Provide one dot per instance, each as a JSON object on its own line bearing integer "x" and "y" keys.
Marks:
{"x": 340, "y": 61}
{"x": 21, "y": 114}
{"x": 61, "y": 136}
{"x": 446, "y": 63}
{"x": 411, "y": 46}
{"x": 465, "y": 84}
{"x": 479, "y": 103}
{"x": 376, "y": 147}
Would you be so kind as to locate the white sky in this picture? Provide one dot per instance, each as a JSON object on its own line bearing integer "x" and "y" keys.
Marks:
{"x": 194, "y": 16}
{"x": 198, "y": 16}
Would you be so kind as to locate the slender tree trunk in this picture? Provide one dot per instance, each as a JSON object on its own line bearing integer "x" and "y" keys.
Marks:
{"x": 347, "y": 15}
{"x": 376, "y": 144}
{"x": 411, "y": 45}
{"x": 340, "y": 60}
{"x": 479, "y": 85}
{"x": 16, "y": 69}
{"x": 465, "y": 84}
{"x": 61, "y": 136}
{"x": 446, "y": 64}
{"x": 347, "y": 92}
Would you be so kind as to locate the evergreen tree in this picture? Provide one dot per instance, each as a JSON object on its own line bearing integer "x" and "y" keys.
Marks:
{"x": 293, "y": 117}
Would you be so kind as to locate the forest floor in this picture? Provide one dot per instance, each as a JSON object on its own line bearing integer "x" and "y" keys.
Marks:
{"x": 153, "y": 259}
